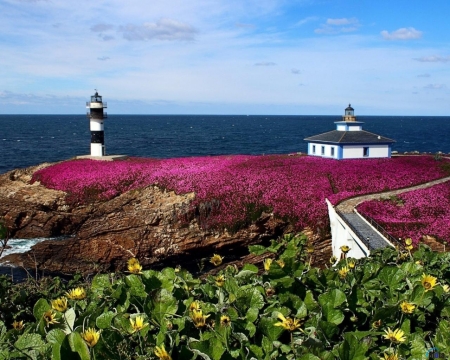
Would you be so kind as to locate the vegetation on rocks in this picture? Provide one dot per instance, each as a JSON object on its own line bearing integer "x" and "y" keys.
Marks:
{"x": 233, "y": 190}
{"x": 392, "y": 305}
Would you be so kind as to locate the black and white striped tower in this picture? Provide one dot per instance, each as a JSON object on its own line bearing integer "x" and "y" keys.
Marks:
{"x": 97, "y": 116}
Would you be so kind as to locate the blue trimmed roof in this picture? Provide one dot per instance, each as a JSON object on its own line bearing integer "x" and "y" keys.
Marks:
{"x": 349, "y": 137}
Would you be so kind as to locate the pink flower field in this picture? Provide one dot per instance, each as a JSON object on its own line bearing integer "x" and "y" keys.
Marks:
{"x": 235, "y": 187}
{"x": 414, "y": 214}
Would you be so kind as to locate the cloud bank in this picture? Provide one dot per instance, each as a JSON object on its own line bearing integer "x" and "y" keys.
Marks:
{"x": 402, "y": 34}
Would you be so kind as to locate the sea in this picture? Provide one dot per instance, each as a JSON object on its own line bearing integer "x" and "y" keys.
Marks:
{"x": 27, "y": 140}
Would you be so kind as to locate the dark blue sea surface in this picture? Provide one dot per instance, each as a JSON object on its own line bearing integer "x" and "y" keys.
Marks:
{"x": 27, "y": 140}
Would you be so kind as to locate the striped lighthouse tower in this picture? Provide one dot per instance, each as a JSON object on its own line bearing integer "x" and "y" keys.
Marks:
{"x": 97, "y": 116}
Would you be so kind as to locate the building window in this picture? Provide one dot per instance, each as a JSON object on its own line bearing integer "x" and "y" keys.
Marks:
{"x": 323, "y": 150}
{"x": 314, "y": 149}
{"x": 332, "y": 151}
{"x": 365, "y": 151}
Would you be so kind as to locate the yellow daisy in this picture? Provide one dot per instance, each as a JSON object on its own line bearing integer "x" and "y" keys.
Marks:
{"x": 407, "y": 308}
{"x": 225, "y": 321}
{"x": 138, "y": 323}
{"x": 216, "y": 260}
{"x": 280, "y": 263}
{"x": 195, "y": 305}
{"x": 396, "y": 336}
{"x": 288, "y": 323}
{"x": 60, "y": 304}
{"x": 220, "y": 280}
{"x": 18, "y": 325}
{"x": 345, "y": 249}
{"x": 198, "y": 318}
{"x": 76, "y": 294}
{"x": 446, "y": 288}
{"x": 134, "y": 266}
{"x": 428, "y": 282}
{"x": 161, "y": 353}
{"x": 392, "y": 356}
{"x": 91, "y": 336}
{"x": 343, "y": 272}
{"x": 267, "y": 263}
{"x": 50, "y": 318}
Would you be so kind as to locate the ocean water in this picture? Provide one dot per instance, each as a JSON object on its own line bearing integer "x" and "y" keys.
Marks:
{"x": 27, "y": 140}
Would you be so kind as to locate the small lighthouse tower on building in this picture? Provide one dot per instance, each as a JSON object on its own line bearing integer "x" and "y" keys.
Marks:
{"x": 97, "y": 117}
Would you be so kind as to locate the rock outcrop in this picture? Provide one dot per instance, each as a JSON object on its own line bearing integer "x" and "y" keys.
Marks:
{"x": 151, "y": 224}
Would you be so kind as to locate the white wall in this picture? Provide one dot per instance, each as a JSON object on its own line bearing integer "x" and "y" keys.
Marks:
{"x": 342, "y": 235}
{"x": 357, "y": 151}
{"x": 327, "y": 152}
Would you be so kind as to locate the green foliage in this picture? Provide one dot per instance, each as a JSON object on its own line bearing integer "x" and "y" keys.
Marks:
{"x": 289, "y": 310}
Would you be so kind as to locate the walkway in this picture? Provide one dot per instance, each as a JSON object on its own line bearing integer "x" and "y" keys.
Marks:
{"x": 367, "y": 233}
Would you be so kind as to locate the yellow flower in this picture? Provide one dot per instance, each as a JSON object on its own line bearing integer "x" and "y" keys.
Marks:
{"x": 376, "y": 324}
{"x": 195, "y": 305}
{"x": 225, "y": 321}
{"x": 91, "y": 336}
{"x": 343, "y": 272}
{"x": 161, "y": 353}
{"x": 333, "y": 260}
{"x": 428, "y": 282}
{"x": 351, "y": 263}
{"x": 18, "y": 325}
{"x": 288, "y": 323}
{"x": 50, "y": 318}
{"x": 280, "y": 263}
{"x": 345, "y": 249}
{"x": 409, "y": 247}
{"x": 396, "y": 336}
{"x": 138, "y": 323}
{"x": 407, "y": 307}
{"x": 310, "y": 249}
{"x": 267, "y": 263}
{"x": 198, "y": 318}
{"x": 216, "y": 260}
{"x": 408, "y": 241}
{"x": 220, "y": 280}
{"x": 392, "y": 356}
{"x": 446, "y": 288}
{"x": 60, "y": 304}
{"x": 76, "y": 294}
{"x": 134, "y": 266}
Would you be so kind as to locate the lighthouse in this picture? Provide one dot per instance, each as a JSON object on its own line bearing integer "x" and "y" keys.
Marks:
{"x": 97, "y": 116}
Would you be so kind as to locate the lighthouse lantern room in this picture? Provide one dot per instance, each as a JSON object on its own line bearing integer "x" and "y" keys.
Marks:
{"x": 97, "y": 117}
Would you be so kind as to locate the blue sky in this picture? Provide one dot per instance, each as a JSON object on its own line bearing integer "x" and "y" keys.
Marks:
{"x": 226, "y": 56}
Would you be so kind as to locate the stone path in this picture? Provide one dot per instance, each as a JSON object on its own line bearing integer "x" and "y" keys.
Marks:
{"x": 364, "y": 231}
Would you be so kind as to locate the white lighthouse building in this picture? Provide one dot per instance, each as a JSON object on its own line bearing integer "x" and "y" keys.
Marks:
{"x": 349, "y": 141}
{"x": 97, "y": 117}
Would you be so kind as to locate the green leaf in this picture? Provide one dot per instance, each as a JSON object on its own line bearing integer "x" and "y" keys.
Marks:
{"x": 104, "y": 320}
{"x": 40, "y": 308}
{"x": 251, "y": 328}
{"x": 252, "y": 314}
{"x": 393, "y": 277}
{"x": 418, "y": 346}
{"x": 27, "y": 342}
{"x": 267, "y": 345}
{"x": 441, "y": 339}
{"x": 257, "y": 351}
{"x": 251, "y": 267}
{"x": 352, "y": 348}
{"x": 68, "y": 321}
{"x": 163, "y": 305}
{"x": 56, "y": 338}
{"x": 268, "y": 328}
{"x": 249, "y": 297}
{"x": 257, "y": 249}
{"x": 78, "y": 345}
{"x": 100, "y": 282}
{"x": 136, "y": 286}
{"x": 329, "y": 302}
{"x": 308, "y": 357}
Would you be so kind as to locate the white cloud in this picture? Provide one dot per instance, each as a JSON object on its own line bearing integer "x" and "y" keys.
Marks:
{"x": 306, "y": 20}
{"x": 424, "y": 75}
{"x": 338, "y": 26}
{"x": 103, "y": 58}
{"x": 295, "y": 71}
{"x": 265, "y": 63}
{"x": 402, "y": 34}
{"x": 163, "y": 29}
{"x": 435, "y": 86}
{"x": 443, "y": 59}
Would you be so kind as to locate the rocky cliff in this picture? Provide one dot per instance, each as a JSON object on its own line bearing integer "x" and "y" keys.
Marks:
{"x": 144, "y": 223}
